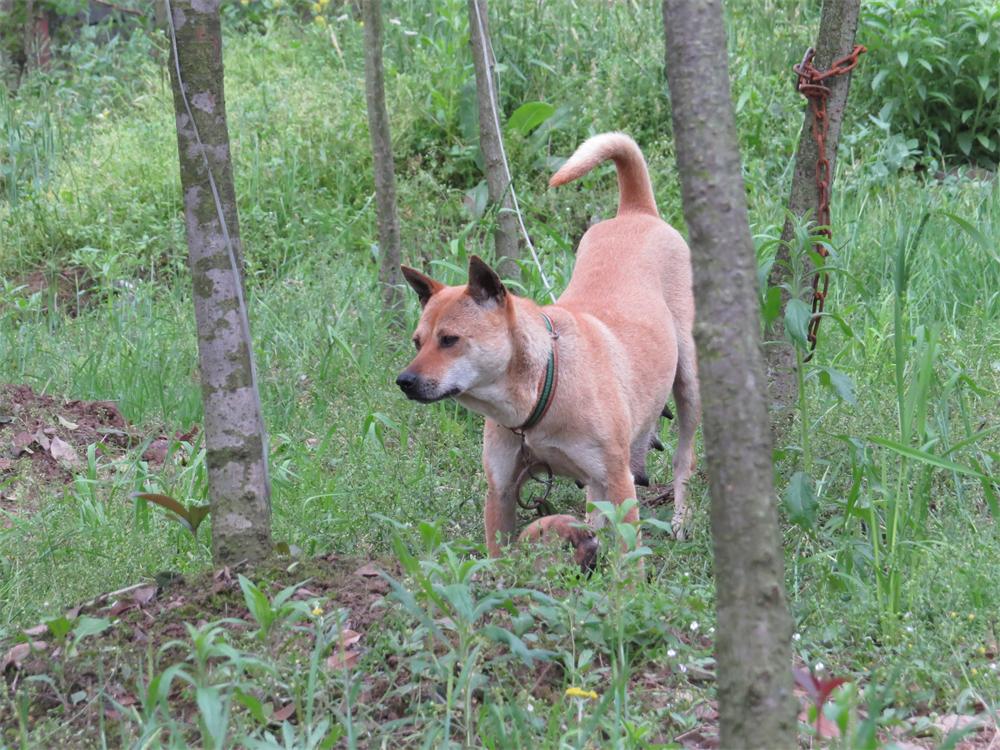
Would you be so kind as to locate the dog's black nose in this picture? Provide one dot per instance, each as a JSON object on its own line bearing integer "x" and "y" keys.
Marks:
{"x": 407, "y": 381}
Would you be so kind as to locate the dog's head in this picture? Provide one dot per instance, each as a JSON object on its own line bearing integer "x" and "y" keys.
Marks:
{"x": 463, "y": 338}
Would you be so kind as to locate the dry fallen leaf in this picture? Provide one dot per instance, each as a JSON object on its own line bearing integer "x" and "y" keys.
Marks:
{"x": 19, "y": 653}
{"x": 36, "y": 631}
{"x": 63, "y": 452}
{"x": 955, "y": 722}
{"x": 343, "y": 657}
{"x": 144, "y": 595}
{"x": 21, "y": 442}
{"x": 367, "y": 571}
{"x": 66, "y": 423}
{"x": 42, "y": 439}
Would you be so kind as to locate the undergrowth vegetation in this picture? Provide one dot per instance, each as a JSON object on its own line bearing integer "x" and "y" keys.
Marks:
{"x": 886, "y": 480}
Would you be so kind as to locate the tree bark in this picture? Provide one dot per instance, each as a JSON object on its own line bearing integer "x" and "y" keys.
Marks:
{"x": 838, "y": 27}
{"x": 498, "y": 179}
{"x": 384, "y": 166}
{"x": 756, "y": 706}
{"x": 235, "y": 439}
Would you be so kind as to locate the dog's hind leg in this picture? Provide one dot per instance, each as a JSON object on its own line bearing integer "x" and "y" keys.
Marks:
{"x": 688, "y": 403}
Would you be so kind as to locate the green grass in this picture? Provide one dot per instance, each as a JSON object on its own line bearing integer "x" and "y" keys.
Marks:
{"x": 884, "y": 571}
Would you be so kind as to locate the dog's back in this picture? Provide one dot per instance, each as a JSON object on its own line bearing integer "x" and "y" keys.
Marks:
{"x": 621, "y": 262}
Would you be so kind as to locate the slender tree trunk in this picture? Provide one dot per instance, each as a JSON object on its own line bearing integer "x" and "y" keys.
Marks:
{"x": 498, "y": 179}
{"x": 756, "y": 706}
{"x": 385, "y": 169}
{"x": 7, "y": 32}
{"x": 37, "y": 42}
{"x": 235, "y": 439}
{"x": 837, "y": 30}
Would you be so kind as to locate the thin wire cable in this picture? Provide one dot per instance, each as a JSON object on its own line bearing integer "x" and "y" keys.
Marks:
{"x": 494, "y": 106}
{"x": 234, "y": 266}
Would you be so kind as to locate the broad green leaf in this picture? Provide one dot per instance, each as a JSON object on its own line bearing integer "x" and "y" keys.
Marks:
{"x": 800, "y": 501}
{"x": 87, "y": 626}
{"x": 965, "y": 141}
{"x": 797, "y": 315}
{"x": 529, "y": 116}
{"x": 516, "y": 645}
{"x": 771, "y": 308}
{"x": 59, "y": 627}
{"x": 256, "y": 602}
{"x": 840, "y": 383}
{"x": 903, "y": 56}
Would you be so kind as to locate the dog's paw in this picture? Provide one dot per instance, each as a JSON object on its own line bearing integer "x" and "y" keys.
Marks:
{"x": 681, "y": 527}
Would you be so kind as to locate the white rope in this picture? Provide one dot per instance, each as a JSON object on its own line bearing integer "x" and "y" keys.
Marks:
{"x": 494, "y": 106}
{"x": 233, "y": 265}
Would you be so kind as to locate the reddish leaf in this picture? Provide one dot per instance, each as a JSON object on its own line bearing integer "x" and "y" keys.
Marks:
{"x": 121, "y": 606}
{"x": 188, "y": 436}
{"x": 284, "y": 713}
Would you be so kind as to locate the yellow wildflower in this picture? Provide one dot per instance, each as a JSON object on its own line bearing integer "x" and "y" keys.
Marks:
{"x": 319, "y": 21}
{"x": 244, "y": 2}
{"x": 317, "y": 610}
{"x": 317, "y": 8}
{"x": 575, "y": 692}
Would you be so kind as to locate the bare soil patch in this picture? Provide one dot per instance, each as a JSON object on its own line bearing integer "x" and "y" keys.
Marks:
{"x": 90, "y": 686}
{"x": 46, "y": 439}
{"x": 67, "y": 290}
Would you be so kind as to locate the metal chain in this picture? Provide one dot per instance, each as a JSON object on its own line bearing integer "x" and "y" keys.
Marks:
{"x": 811, "y": 85}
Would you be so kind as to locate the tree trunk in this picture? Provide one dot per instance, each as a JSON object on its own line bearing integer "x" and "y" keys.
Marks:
{"x": 235, "y": 439}
{"x": 390, "y": 276}
{"x": 498, "y": 179}
{"x": 756, "y": 706}
{"x": 37, "y": 42}
{"x": 837, "y": 29}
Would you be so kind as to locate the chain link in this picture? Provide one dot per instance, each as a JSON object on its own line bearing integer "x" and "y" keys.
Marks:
{"x": 811, "y": 85}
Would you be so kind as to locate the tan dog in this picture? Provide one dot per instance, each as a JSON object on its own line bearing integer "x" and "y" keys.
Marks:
{"x": 586, "y": 398}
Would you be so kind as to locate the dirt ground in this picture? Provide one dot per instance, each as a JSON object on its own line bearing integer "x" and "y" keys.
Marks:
{"x": 44, "y": 441}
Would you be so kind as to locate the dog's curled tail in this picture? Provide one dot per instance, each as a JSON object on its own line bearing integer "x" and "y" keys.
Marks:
{"x": 635, "y": 189}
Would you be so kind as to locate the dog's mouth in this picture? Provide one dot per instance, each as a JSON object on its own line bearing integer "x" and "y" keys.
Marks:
{"x": 422, "y": 398}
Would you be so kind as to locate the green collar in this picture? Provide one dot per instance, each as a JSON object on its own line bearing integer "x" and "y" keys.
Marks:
{"x": 549, "y": 383}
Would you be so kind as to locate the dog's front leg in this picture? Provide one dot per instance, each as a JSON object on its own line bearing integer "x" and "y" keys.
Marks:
{"x": 503, "y": 462}
{"x": 618, "y": 487}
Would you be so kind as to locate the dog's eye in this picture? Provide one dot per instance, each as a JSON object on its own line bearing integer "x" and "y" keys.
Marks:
{"x": 446, "y": 342}
{"x": 416, "y": 344}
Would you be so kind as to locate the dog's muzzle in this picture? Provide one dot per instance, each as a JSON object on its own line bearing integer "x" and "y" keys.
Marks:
{"x": 419, "y": 389}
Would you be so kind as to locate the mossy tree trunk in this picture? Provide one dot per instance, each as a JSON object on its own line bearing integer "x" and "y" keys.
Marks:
{"x": 384, "y": 166}
{"x": 838, "y": 28}
{"x": 756, "y": 705}
{"x": 235, "y": 439}
{"x": 498, "y": 179}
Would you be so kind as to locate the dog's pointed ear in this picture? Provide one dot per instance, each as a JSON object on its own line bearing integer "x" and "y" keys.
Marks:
{"x": 484, "y": 283}
{"x": 423, "y": 285}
